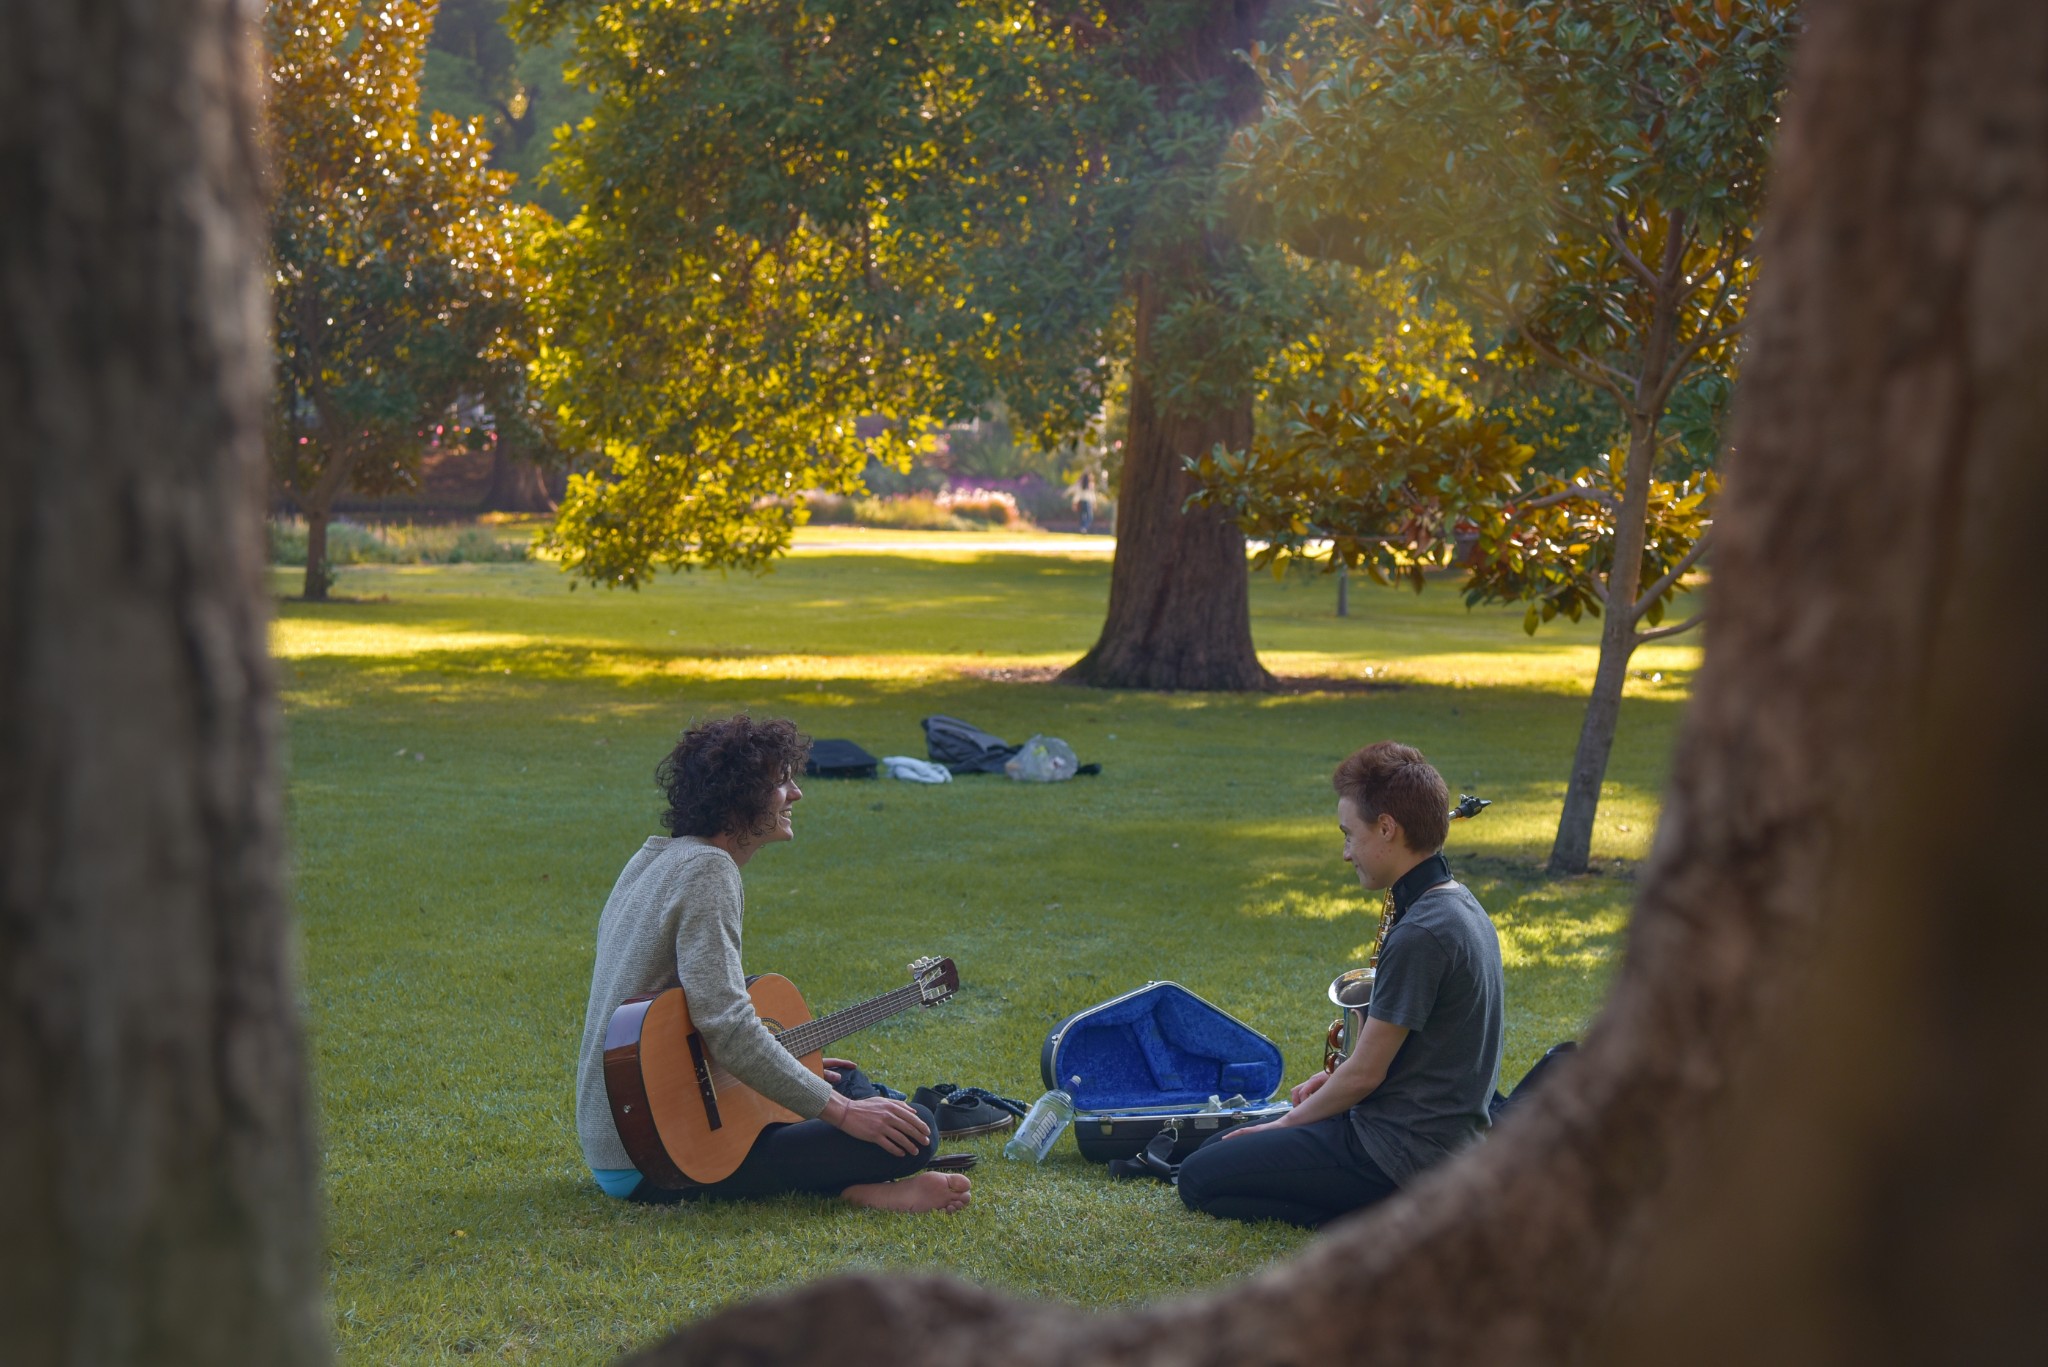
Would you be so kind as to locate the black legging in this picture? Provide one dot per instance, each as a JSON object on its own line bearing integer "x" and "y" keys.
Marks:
{"x": 1303, "y": 1174}
{"x": 808, "y": 1155}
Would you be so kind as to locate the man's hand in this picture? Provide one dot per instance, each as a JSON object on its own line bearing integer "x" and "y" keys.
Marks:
{"x": 1308, "y": 1088}
{"x": 834, "y": 1067}
{"x": 891, "y": 1124}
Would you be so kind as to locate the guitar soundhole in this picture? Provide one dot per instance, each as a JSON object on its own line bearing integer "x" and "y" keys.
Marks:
{"x": 774, "y": 1025}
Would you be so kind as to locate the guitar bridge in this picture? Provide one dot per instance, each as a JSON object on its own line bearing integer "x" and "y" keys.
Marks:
{"x": 704, "y": 1087}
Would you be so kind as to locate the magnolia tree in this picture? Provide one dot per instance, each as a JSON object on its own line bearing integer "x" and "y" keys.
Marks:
{"x": 1580, "y": 177}
{"x": 397, "y": 287}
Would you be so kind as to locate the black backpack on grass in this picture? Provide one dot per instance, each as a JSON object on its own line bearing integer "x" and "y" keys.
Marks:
{"x": 964, "y": 748}
{"x": 839, "y": 759}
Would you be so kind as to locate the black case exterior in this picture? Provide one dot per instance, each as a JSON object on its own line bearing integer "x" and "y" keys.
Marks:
{"x": 1103, "y": 1135}
{"x": 1121, "y": 1122}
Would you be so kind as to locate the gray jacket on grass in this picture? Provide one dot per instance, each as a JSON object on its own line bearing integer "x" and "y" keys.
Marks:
{"x": 674, "y": 917}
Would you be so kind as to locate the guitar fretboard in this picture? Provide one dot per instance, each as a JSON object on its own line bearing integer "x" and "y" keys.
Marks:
{"x": 814, "y": 1035}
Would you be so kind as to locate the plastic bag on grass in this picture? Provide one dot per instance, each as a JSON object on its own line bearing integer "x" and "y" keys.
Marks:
{"x": 915, "y": 770}
{"x": 1043, "y": 759}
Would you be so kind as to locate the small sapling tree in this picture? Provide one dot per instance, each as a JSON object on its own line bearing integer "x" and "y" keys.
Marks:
{"x": 1581, "y": 178}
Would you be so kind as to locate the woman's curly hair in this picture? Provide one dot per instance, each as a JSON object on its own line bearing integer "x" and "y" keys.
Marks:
{"x": 722, "y": 775}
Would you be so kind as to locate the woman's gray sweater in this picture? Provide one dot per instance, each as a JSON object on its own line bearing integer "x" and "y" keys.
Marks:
{"x": 674, "y": 917}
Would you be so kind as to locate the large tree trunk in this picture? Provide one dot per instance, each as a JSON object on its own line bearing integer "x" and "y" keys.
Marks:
{"x": 517, "y": 485}
{"x": 1806, "y": 1128}
{"x": 319, "y": 575}
{"x": 1179, "y": 602}
{"x": 158, "y": 1202}
{"x": 1179, "y": 594}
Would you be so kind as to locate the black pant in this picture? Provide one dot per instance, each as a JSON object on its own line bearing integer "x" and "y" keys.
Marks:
{"x": 1303, "y": 1174}
{"x": 808, "y": 1155}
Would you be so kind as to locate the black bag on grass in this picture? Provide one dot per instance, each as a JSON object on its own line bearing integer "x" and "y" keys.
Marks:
{"x": 1531, "y": 1080}
{"x": 839, "y": 759}
{"x": 964, "y": 748}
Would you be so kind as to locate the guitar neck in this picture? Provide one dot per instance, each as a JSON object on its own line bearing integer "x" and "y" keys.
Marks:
{"x": 814, "y": 1035}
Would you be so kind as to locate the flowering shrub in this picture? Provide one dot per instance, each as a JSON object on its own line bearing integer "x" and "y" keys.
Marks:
{"x": 952, "y": 510}
{"x": 982, "y": 507}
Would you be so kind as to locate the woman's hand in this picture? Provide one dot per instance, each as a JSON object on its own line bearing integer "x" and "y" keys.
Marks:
{"x": 1308, "y": 1088}
{"x": 891, "y": 1124}
{"x": 834, "y": 1067}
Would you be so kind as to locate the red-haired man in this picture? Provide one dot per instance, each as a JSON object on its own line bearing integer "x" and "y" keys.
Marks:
{"x": 1416, "y": 1086}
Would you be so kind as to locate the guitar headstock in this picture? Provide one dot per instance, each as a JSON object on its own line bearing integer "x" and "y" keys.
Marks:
{"x": 1469, "y": 807}
{"x": 936, "y": 979}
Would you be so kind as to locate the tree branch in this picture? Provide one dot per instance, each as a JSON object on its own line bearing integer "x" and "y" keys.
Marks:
{"x": 1573, "y": 368}
{"x": 1565, "y": 495}
{"x": 1635, "y": 263}
{"x": 1659, "y": 633}
{"x": 1671, "y": 576}
{"x": 1678, "y": 239}
{"x": 1682, "y": 362}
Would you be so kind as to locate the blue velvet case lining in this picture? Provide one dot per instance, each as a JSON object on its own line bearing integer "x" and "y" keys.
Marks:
{"x": 1158, "y": 1046}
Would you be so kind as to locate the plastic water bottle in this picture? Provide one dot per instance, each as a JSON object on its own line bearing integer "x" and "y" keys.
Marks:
{"x": 1049, "y": 1115}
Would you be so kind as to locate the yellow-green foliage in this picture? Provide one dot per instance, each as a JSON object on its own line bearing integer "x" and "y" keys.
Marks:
{"x": 472, "y": 754}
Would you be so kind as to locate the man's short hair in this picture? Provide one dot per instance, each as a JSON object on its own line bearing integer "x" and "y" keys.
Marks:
{"x": 722, "y": 775}
{"x": 1395, "y": 780}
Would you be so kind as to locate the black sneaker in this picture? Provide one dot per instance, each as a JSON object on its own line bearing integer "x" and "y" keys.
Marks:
{"x": 964, "y": 1111}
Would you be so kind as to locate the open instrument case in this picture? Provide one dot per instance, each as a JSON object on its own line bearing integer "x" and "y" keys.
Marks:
{"x": 1154, "y": 1058}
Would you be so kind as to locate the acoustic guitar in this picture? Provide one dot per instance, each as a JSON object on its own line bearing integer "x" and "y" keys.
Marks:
{"x": 687, "y": 1122}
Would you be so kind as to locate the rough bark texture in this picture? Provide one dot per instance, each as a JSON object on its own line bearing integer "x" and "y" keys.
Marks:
{"x": 1876, "y": 1194}
{"x": 1179, "y": 596}
{"x": 1179, "y": 600}
{"x": 158, "y": 1205}
{"x": 1807, "y": 1127}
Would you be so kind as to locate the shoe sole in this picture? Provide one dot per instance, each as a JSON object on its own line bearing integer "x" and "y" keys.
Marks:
{"x": 1005, "y": 1123}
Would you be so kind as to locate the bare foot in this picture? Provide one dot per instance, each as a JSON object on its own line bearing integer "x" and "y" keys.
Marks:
{"x": 921, "y": 1192}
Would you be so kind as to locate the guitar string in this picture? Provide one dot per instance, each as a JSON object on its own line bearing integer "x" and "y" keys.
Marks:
{"x": 799, "y": 1039}
{"x": 828, "y": 1028}
{"x": 814, "y": 1035}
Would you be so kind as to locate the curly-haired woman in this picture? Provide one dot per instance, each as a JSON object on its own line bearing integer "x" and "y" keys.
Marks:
{"x": 674, "y": 917}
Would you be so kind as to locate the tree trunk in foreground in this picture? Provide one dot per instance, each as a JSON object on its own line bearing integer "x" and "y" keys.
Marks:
{"x": 1179, "y": 593}
{"x": 158, "y": 1204}
{"x": 1807, "y": 1127}
{"x": 1179, "y": 598}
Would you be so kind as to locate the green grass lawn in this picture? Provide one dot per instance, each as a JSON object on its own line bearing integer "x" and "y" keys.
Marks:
{"x": 471, "y": 757}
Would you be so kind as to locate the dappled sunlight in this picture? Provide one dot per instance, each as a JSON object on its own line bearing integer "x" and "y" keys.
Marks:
{"x": 1535, "y": 930}
{"x": 1303, "y": 904}
{"x": 952, "y": 546}
{"x": 965, "y": 607}
{"x": 1556, "y": 666}
{"x": 301, "y": 638}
